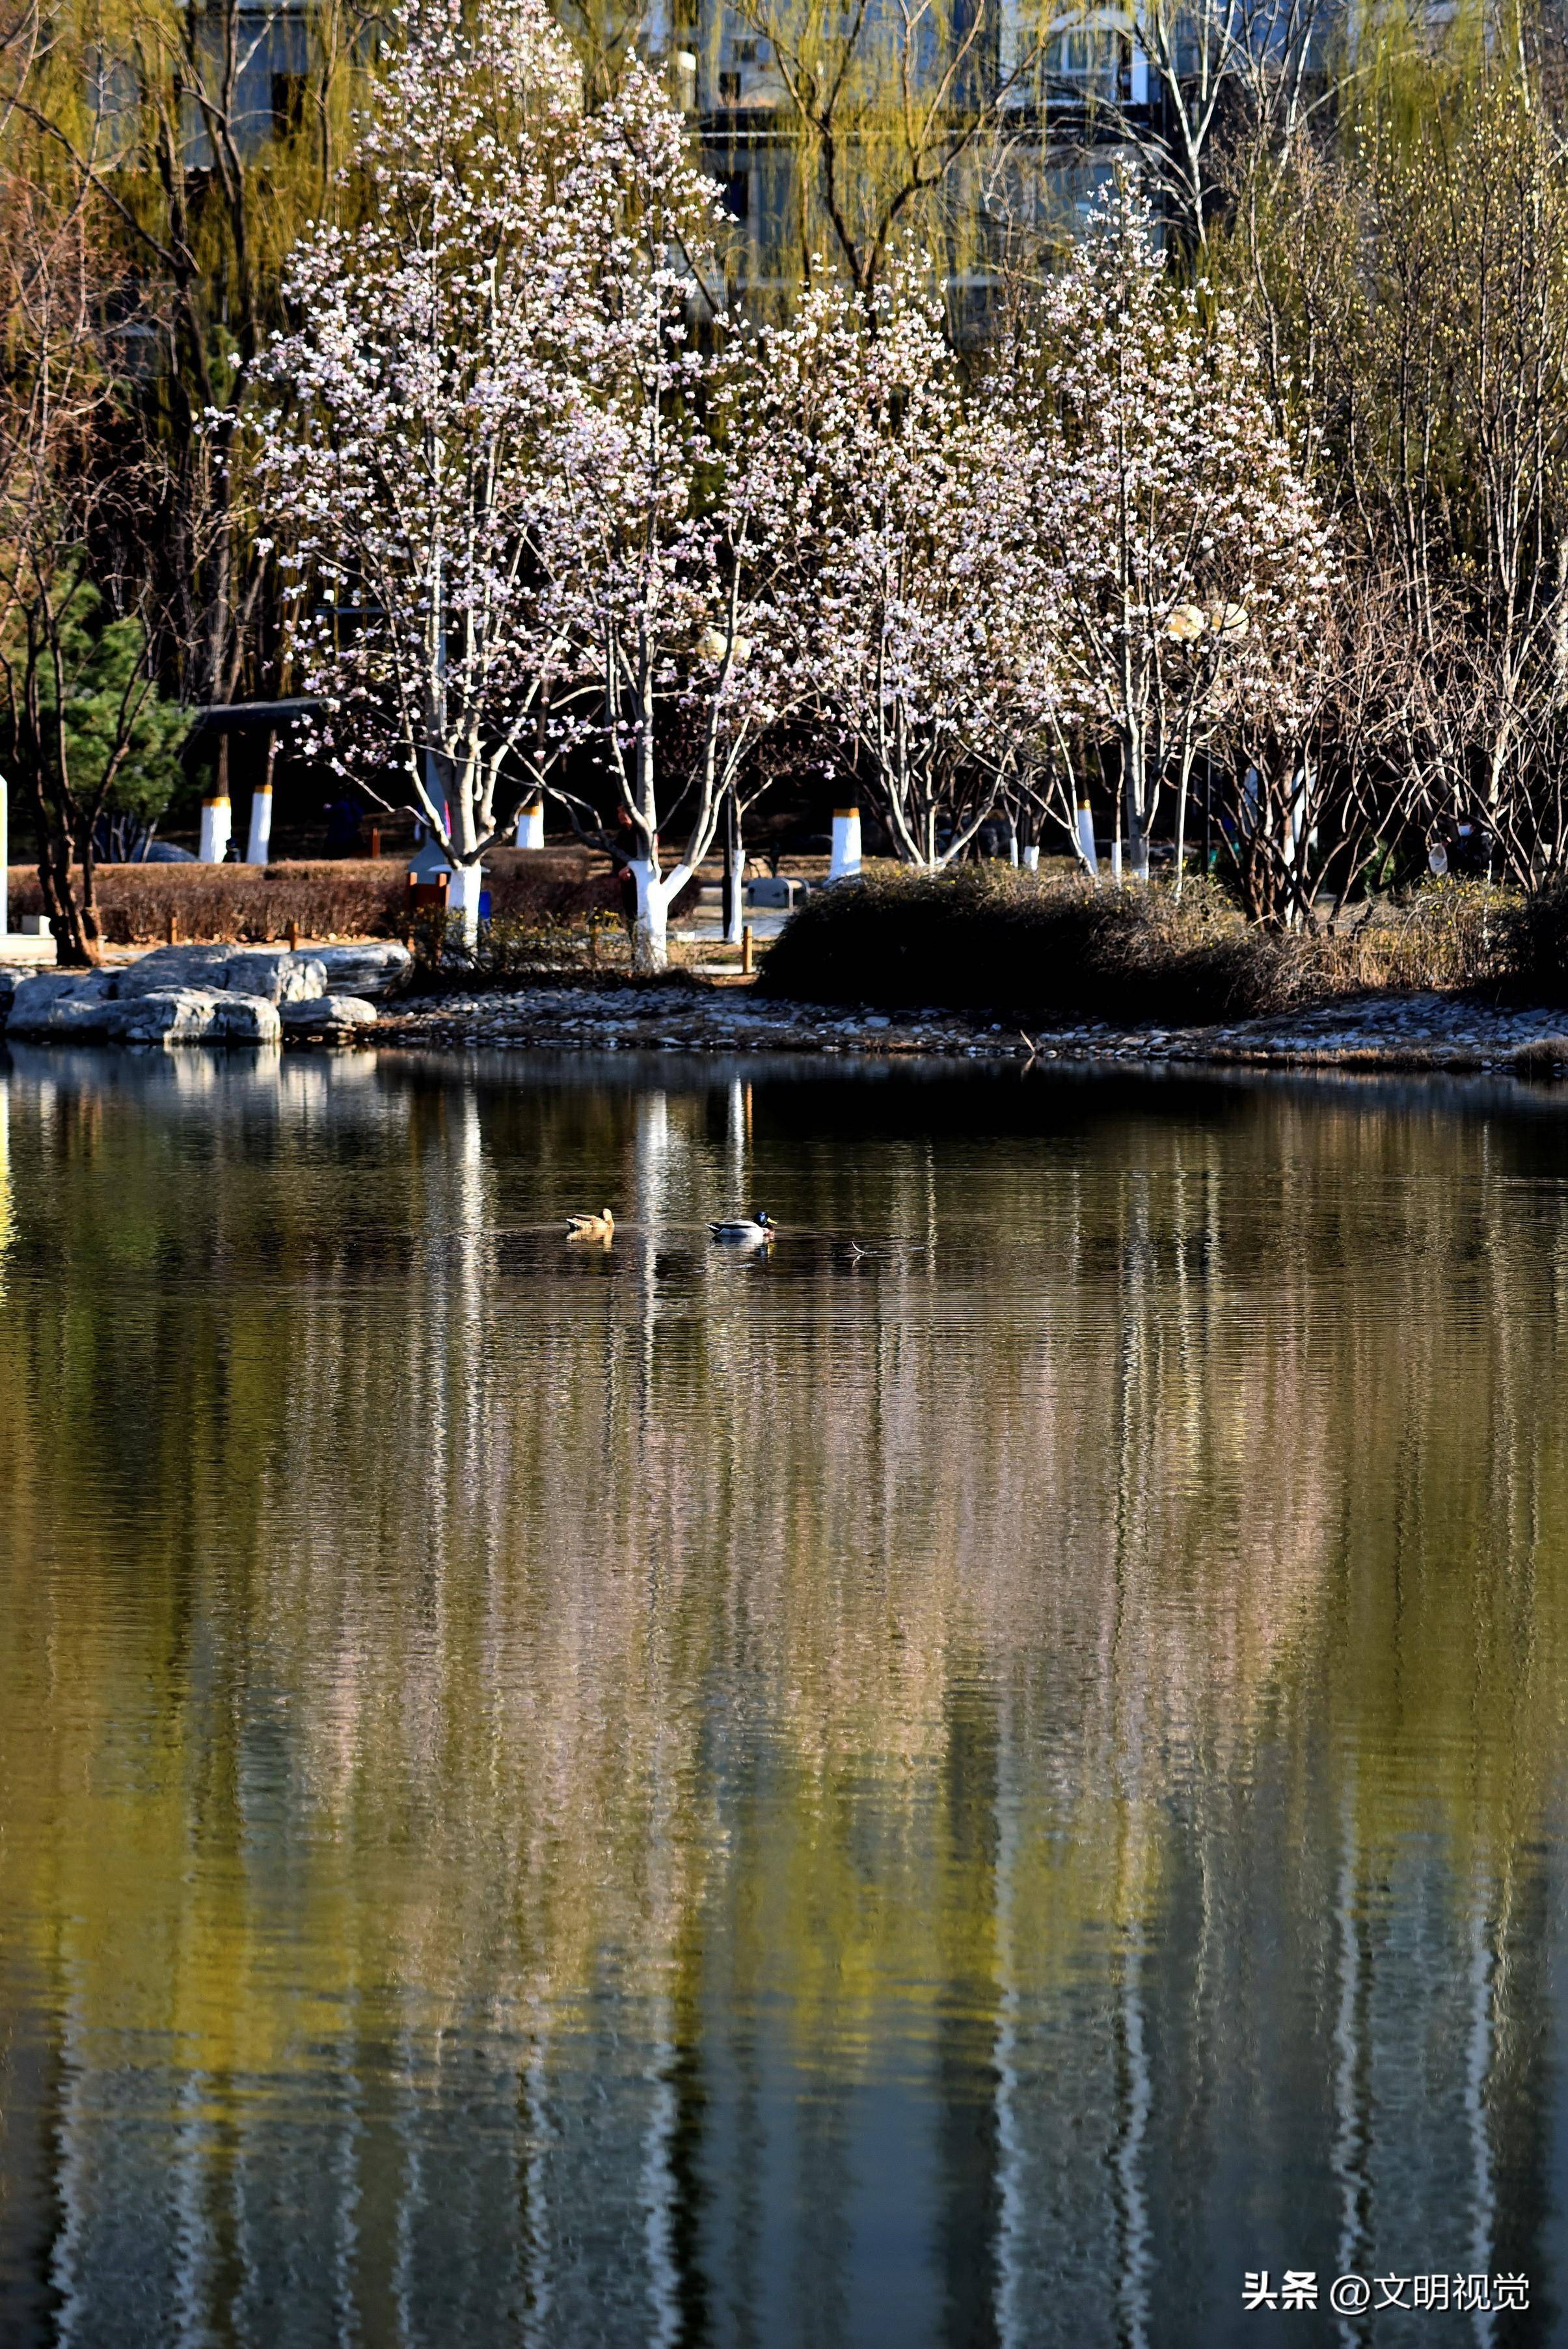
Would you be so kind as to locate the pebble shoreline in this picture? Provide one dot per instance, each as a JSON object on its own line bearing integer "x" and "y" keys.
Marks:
{"x": 1416, "y": 1031}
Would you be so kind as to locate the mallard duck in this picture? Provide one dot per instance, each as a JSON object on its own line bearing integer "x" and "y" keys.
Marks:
{"x": 752, "y": 1229}
{"x": 601, "y": 1227}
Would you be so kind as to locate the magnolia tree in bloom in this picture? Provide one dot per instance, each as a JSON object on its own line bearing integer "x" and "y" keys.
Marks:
{"x": 923, "y": 630}
{"x": 1186, "y": 568}
{"x": 540, "y": 511}
{"x": 671, "y": 534}
{"x": 414, "y": 438}
{"x": 452, "y": 421}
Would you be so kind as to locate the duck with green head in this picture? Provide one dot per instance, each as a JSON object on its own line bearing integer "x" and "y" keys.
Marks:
{"x": 753, "y": 1230}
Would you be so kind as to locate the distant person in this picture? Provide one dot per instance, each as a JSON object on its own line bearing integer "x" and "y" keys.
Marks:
{"x": 342, "y": 821}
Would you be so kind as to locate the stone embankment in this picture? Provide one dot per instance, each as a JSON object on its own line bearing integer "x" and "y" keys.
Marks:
{"x": 350, "y": 994}
{"x": 208, "y": 995}
{"x": 1436, "y": 1032}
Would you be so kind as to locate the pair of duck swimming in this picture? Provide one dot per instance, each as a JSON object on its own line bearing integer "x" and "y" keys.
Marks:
{"x": 757, "y": 1225}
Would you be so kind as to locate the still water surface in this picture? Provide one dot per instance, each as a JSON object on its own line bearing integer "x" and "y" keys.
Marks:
{"x": 968, "y": 1793}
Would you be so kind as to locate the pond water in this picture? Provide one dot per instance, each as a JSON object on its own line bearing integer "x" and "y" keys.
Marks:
{"x": 974, "y": 1779}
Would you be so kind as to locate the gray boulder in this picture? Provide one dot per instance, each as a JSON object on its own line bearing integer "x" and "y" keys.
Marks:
{"x": 328, "y": 1016}
{"x": 60, "y": 1003}
{"x": 168, "y": 1015}
{"x": 247, "y": 1018}
{"x": 195, "y": 1015}
{"x": 268, "y": 971}
{"x": 370, "y": 968}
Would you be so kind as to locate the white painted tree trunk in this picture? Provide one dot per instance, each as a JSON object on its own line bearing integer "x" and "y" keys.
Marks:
{"x": 650, "y": 926}
{"x": 530, "y": 826}
{"x": 1138, "y": 835}
{"x": 259, "y": 847}
{"x": 845, "y": 863}
{"x": 217, "y": 824}
{"x": 1086, "y": 838}
{"x": 734, "y": 882}
{"x": 463, "y": 897}
{"x": 1032, "y": 857}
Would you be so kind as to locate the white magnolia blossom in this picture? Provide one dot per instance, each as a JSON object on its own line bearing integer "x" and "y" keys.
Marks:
{"x": 544, "y": 499}
{"x": 522, "y": 479}
{"x": 670, "y": 537}
{"x": 1186, "y": 565}
{"x": 916, "y": 607}
{"x": 419, "y": 406}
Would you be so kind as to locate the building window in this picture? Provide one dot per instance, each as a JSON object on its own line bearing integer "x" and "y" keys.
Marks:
{"x": 1092, "y": 61}
{"x": 288, "y": 104}
{"x": 114, "y": 101}
{"x": 729, "y": 89}
{"x": 735, "y": 191}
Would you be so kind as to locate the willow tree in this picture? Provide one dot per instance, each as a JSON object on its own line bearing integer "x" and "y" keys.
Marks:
{"x": 1407, "y": 279}
{"x": 204, "y": 139}
{"x": 82, "y": 724}
{"x": 897, "y": 111}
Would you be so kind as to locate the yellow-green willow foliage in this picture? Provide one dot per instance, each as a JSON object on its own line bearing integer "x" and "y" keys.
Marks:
{"x": 866, "y": 132}
{"x": 1406, "y": 266}
{"x": 200, "y": 140}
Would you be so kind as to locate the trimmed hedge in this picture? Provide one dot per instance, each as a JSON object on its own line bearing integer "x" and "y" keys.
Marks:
{"x": 349, "y": 898}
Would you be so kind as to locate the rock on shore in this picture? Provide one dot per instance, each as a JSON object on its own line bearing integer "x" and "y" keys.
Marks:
{"x": 208, "y": 995}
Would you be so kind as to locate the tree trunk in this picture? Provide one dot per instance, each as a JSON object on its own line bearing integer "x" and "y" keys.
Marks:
{"x": 74, "y": 950}
{"x": 463, "y": 899}
{"x": 1137, "y": 838}
{"x": 650, "y": 924}
{"x": 734, "y": 872}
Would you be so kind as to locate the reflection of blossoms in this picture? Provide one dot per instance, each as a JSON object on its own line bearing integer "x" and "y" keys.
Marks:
{"x": 7, "y": 1221}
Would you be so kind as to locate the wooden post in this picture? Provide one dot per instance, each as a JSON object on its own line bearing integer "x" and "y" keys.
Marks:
{"x": 746, "y": 950}
{"x": 375, "y": 840}
{"x": 171, "y": 930}
{"x": 294, "y": 937}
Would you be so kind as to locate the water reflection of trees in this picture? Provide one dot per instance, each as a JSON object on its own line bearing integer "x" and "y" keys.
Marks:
{"x": 645, "y": 1771}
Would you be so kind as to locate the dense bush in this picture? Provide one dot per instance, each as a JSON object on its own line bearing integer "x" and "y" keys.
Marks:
{"x": 1536, "y": 948}
{"x": 983, "y": 937}
{"x": 350, "y": 897}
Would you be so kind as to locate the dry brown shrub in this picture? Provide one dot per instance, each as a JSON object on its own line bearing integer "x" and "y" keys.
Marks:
{"x": 982, "y": 936}
{"x": 1543, "y": 1057}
